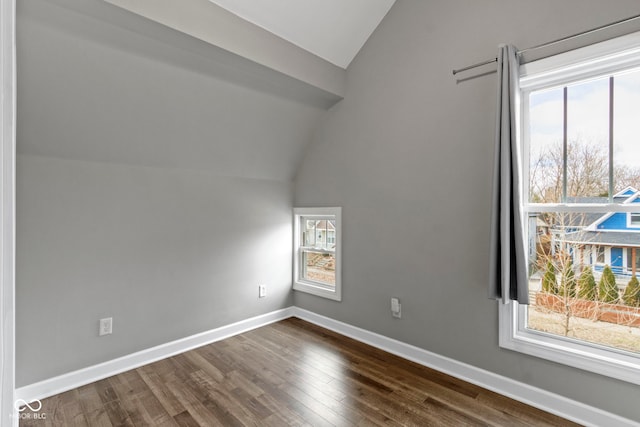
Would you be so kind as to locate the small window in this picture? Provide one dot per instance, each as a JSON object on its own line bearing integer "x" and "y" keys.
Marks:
{"x": 635, "y": 218}
{"x": 317, "y": 251}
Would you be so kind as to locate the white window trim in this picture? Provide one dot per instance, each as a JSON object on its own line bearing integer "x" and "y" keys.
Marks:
{"x": 579, "y": 354}
{"x": 612, "y": 55}
{"x": 308, "y": 286}
{"x": 630, "y": 222}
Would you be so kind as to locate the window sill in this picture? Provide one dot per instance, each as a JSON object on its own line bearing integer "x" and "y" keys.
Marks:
{"x": 317, "y": 290}
{"x": 578, "y": 354}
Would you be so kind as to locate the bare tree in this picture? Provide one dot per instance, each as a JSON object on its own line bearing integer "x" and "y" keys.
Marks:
{"x": 587, "y": 172}
{"x": 626, "y": 176}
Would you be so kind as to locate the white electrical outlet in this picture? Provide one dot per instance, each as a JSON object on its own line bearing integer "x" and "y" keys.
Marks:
{"x": 106, "y": 326}
{"x": 396, "y": 308}
{"x": 262, "y": 291}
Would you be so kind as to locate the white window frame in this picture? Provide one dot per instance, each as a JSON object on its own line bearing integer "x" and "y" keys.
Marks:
{"x": 610, "y": 56}
{"x": 631, "y": 223}
{"x": 310, "y": 286}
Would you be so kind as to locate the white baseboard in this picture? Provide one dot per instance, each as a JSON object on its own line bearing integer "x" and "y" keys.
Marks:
{"x": 71, "y": 380}
{"x": 541, "y": 399}
{"x": 547, "y": 401}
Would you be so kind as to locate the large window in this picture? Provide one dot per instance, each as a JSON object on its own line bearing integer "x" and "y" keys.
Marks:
{"x": 317, "y": 251}
{"x": 581, "y": 160}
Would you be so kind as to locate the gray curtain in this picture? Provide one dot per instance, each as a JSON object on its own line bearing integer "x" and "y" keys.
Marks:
{"x": 508, "y": 270}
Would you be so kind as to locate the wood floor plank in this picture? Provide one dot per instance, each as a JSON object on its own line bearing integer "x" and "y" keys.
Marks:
{"x": 364, "y": 375}
{"x": 218, "y": 397}
{"x": 290, "y": 373}
{"x": 158, "y": 386}
{"x": 310, "y": 375}
{"x": 117, "y": 415}
{"x": 309, "y": 394}
{"x": 98, "y": 418}
{"x": 131, "y": 393}
{"x": 518, "y": 410}
{"x": 240, "y": 381}
{"x": 184, "y": 419}
{"x": 281, "y": 414}
{"x": 449, "y": 415}
{"x": 127, "y": 398}
{"x": 90, "y": 399}
{"x": 154, "y": 409}
{"x": 196, "y": 408}
{"x": 252, "y": 404}
{"x": 203, "y": 364}
{"x": 404, "y": 377}
{"x": 72, "y": 414}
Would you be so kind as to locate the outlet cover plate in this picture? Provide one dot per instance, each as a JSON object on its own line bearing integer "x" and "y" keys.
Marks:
{"x": 106, "y": 326}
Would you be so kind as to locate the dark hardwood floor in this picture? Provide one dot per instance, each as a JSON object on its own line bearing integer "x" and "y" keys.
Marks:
{"x": 290, "y": 373}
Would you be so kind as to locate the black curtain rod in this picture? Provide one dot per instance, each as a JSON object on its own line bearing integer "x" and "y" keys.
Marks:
{"x": 551, "y": 43}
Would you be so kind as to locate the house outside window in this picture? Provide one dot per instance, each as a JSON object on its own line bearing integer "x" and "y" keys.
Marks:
{"x": 317, "y": 251}
{"x": 581, "y": 164}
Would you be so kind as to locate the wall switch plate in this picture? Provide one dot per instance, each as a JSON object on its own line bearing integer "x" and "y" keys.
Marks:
{"x": 396, "y": 308}
{"x": 262, "y": 291}
{"x": 106, "y": 326}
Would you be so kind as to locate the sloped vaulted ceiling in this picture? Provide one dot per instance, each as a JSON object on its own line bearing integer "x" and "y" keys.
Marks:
{"x": 216, "y": 26}
{"x": 335, "y": 30}
{"x": 99, "y": 83}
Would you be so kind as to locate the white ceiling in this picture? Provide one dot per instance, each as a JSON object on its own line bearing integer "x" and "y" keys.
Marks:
{"x": 334, "y": 30}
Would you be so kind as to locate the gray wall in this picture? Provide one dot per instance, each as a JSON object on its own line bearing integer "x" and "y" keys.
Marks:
{"x": 154, "y": 185}
{"x": 166, "y": 253}
{"x": 408, "y": 154}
